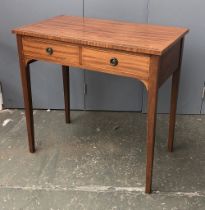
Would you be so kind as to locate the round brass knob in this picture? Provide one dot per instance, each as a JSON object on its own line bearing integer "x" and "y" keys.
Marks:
{"x": 49, "y": 51}
{"x": 113, "y": 62}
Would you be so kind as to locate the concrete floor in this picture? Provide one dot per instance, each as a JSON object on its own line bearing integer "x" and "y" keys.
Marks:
{"x": 98, "y": 163}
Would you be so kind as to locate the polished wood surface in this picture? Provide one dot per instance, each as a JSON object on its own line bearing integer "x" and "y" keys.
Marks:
{"x": 132, "y": 37}
{"x": 130, "y": 65}
{"x": 62, "y": 53}
{"x": 170, "y": 62}
{"x": 148, "y": 53}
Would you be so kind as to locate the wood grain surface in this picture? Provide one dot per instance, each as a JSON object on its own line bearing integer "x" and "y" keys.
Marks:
{"x": 169, "y": 62}
{"x": 63, "y": 53}
{"x": 132, "y": 37}
{"x": 132, "y": 65}
{"x": 92, "y": 58}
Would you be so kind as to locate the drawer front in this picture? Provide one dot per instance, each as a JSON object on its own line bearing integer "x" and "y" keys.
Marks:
{"x": 115, "y": 62}
{"x": 54, "y": 51}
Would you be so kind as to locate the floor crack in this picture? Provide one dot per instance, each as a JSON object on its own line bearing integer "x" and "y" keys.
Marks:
{"x": 103, "y": 189}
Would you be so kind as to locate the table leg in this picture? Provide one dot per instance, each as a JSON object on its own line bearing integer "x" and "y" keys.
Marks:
{"x": 174, "y": 96}
{"x": 26, "y": 84}
{"x": 173, "y": 108}
{"x": 66, "y": 86}
{"x": 151, "y": 119}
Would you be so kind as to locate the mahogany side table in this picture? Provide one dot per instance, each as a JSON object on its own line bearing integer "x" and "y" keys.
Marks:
{"x": 149, "y": 53}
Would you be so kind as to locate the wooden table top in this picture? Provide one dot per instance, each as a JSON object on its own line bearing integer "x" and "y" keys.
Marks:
{"x": 119, "y": 35}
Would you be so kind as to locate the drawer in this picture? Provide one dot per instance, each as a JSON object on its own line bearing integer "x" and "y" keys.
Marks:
{"x": 54, "y": 51}
{"x": 116, "y": 62}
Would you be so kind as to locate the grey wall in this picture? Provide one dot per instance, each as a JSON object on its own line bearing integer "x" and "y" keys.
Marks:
{"x": 46, "y": 78}
{"x": 190, "y": 14}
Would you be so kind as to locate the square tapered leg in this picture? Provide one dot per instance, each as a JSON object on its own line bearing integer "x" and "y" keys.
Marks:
{"x": 174, "y": 97}
{"x": 26, "y": 84}
{"x": 66, "y": 86}
{"x": 151, "y": 119}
